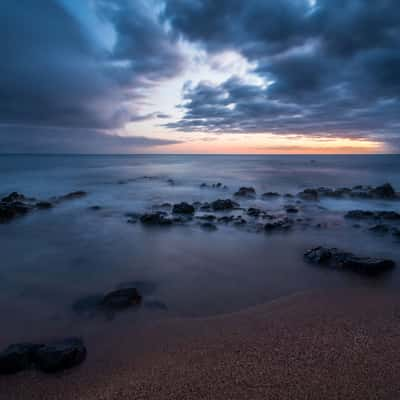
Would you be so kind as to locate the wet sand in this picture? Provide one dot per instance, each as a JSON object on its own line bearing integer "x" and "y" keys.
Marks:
{"x": 337, "y": 344}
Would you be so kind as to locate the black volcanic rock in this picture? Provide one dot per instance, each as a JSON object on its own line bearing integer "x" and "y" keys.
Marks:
{"x": 221, "y": 205}
{"x": 61, "y": 355}
{"x": 183, "y": 208}
{"x": 334, "y": 258}
{"x": 156, "y": 218}
{"x": 246, "y": 192}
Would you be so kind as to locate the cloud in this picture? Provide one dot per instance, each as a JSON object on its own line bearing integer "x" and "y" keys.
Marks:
{"x": 28, "y": 139}
{"x": 53, "y": 72}
{"x": 332, "y": 67}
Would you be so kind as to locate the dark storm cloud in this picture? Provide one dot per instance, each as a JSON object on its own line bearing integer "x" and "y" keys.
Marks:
{"x": 53, "y": 72}
{"x": 28, "y": 139}
{"x": 334, "y": 66}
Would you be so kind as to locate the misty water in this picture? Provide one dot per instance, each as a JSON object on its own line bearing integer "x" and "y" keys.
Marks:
{"x": 50, "y": 259}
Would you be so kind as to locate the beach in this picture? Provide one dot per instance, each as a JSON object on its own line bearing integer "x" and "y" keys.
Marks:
{"x": 331, "y": 345}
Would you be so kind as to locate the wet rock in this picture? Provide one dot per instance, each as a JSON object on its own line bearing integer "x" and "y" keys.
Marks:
{"x": 205, "y": 207}
{"x": 359, "y": 214}
{"x": 209, "y": 226}
{"x": 270, "y": 194}
{"x": 283, "y": 224}
{"x": 380, "y": 228}
{"x": 239, "y": 221}
{"x": 254, "y": 212}
{"x": 291, "y": 209}
{"x": 309, "y": 194}
{"x": 61, "y": 355}
{"x": 17, "y": 357}
{"x": 43, "y": 205}
{"x": 157, "y": 218}
{"x": 95, "y": 208}
{"x": 334, "y": 258}
{"x": 246, "y": 192}
{"x": 384, "y": 191}
{"x": 221, "y": 205}
{"x": 226, "y": 219}
{"x": 171, "y": 182}
{"x": 208, "y": 217}
{"x": 121, "y": 298}
{"x": 73, "y": 195}
{"x": 183, "y": 208}
{"x": 366, "y": 214}
{"x": 288, "y": 195}
{"x": 10, "y": 210}
{"x": 12, "y": 197}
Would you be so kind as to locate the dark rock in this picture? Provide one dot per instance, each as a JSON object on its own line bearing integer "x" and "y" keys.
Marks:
{"x": 309, "y": 194}
{"x": 270, "y": 194}
{"x": 203, "y": 185}
{"x": 278, "y": 225}
{"x": 95, "y": 208}
{"x": 335, "y": 258}
{"x": 254, "y": 212}
{"x": 246, "y": 192}
{"x": 291, "y": 209}
{"x": 44, "y": 205}
{"x": 74, "y": 195}
{"x": 12, "y": 197}
{"x": 58, "y": 356}
{"x": 157, "y": 218}
{"x": 384, "y": 191}
{"x": 10, "y": 210}
{"x": 17, "y": 357}
{"x": 380, "y": 228}
{"x": 205, "y": 207}
{"x": 221, "y": 205}
{"x": 171, "y": 182}
{"x": 226, "y": 219}
{"x": 183, "y": 208}
{"x": 288, "y": 195}
{"x": 388, "y": 215}
{"x": 121, "y": 298}
{"x": 359, "y": 214}
{"x": 208, "y": 217}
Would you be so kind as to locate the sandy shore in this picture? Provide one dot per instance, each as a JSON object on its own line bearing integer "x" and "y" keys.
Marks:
{"x": 333, "y": 345}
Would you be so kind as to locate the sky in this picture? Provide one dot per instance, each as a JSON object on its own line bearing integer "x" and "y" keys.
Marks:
{"x": 200, "y": 76}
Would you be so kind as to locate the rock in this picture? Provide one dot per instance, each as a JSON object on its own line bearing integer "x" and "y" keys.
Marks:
{"x": 384, "y": 191}
{"x": 209, "y": 226}
{"x": 380, "y": 228}
{"x": 95, "y": 208}
{"x": 359, "y": 214}
{"x": 335, "y": 258}
{"x": 157, "y": 218}
{"x": 10, "y": 210}
{"x": 291, "y": 209}
{"x": 17, "y": 357}
{"x": 221, "y": 205}
{"x": 73, "y": 195}
{"x": 203, "y": 185}
{"x": 278, "y": 225}
{"x": 121, "y": 298}
{"x": 254, "y": 212}
{"x": 246, "y": 192}
{"x": 270, "y": 194}
{"x": 171, "y": 182}
{"x": 61, "y": 355}
{"x": 183, "y": 208}
{"x": 205, "y": 207}
{"x": 43, "y": 205}
{"x": 309, "y": 194}
{"x": 12, "y": 197}
{"x": 288, "y": 195}
{"x": 208, "y": 217}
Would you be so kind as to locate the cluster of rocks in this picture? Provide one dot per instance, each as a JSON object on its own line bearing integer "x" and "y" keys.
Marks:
{"x": 246, "y": 192}
{"x": 217, "y": 185}
{"x": 335, "y": 258}
{"x": 49, "y": 357}
{"x": 367, "y": 214}
{"x": 384, "y": 192}
{"x": 16, "y": 204}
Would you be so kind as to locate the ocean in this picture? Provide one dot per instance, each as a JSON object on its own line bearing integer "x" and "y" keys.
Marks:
{"x": 52, "y": 260}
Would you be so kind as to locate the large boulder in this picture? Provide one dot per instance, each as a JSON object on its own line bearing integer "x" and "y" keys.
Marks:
{"x": 309, "y": 194}
{"x": 334, "y": 258}
{"x": 183, "y": 208}
{"x": 57, "y": 356}
{"x": 384, "y": 191}
{"x": 14, "y": 196}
